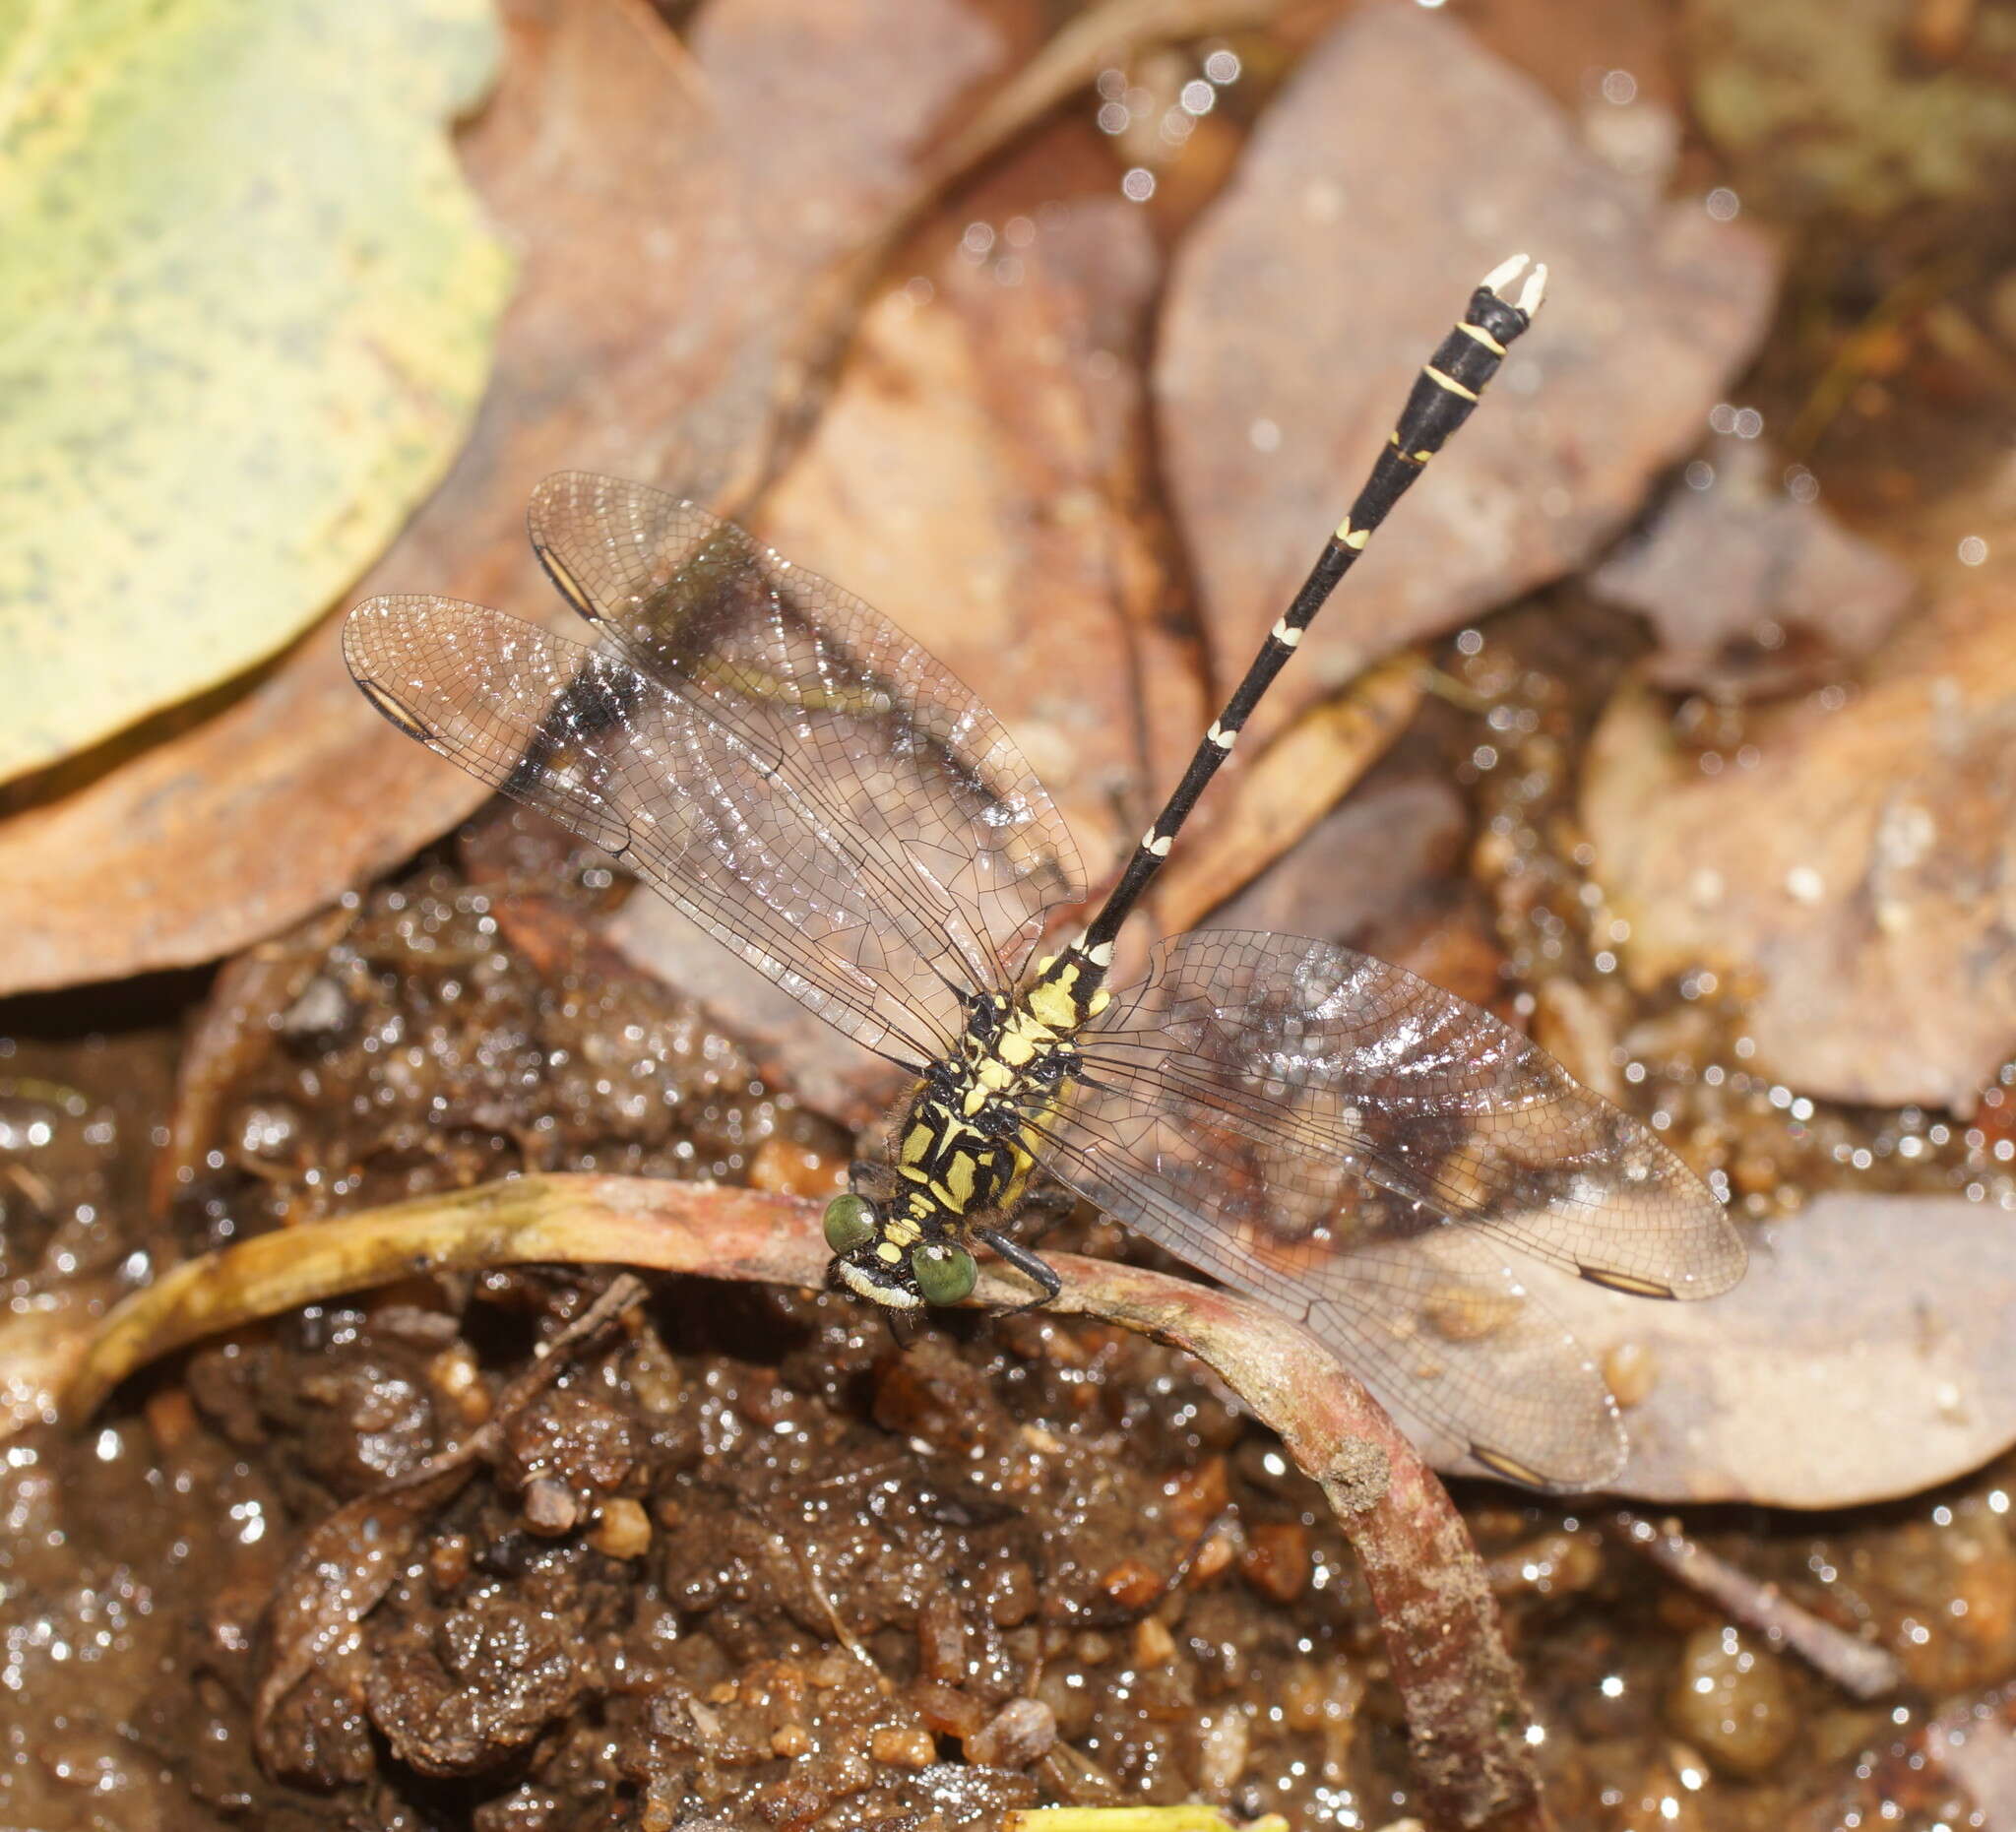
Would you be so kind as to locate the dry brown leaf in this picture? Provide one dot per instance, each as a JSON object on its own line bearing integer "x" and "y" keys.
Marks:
{"x": 1870, "y": 1352}
{"x": 1309, "y": 293}
{"x": 1398, "y": 835}
{"x": 683, "y": 219}
{"x": 1297, "y": 778}
{"x": 1750, "y": 591}
{"x": 1854, "y": 861}
{"x": 978, "y": 476}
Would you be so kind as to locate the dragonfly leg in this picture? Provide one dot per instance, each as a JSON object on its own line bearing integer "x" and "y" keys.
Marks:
{"x": 1044, "y": 1205}
{"x": 1030, "y": 1265}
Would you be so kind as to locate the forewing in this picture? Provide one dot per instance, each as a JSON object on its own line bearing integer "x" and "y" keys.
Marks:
{"x": 960, "y": 843}
{"x": 1337, "y": 1135}
{"x": 692, "y": 808}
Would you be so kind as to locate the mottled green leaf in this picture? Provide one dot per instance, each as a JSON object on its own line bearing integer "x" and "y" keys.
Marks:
{"x": 246, "y": 311}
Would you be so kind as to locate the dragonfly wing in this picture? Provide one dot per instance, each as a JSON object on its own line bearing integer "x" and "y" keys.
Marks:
{"x": 961, "y": 844}
{"x": 697, "y": 811}
{"x": 1345, "y": 1140}
{"x": 1432, "y": 1317}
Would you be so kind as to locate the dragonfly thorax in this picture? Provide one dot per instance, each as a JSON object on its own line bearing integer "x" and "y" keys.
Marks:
{"x": 964, "y": 1143}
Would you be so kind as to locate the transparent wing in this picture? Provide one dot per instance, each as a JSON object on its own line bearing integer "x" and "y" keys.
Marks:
{"x": 959, "y": 846}
{"x": 699, "y": 811}
{"x": 1361, "y": 1148}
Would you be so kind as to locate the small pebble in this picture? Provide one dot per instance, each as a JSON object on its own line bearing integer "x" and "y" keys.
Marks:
{"x": 623, "y": 1531}
{"x": 1221, "y": 1750}
{"x": 549, "y": 1507}
{"x": 1213, "y": 1557}
{"x": 1153, "y": 1642}
{"x": 947, "y": 1710}
{"x": 1024, "y": 1730}
{"x": 450, "y": 1559}
{"x": 909, "y": 1746}
{"x": 1732, "y": 1702}
{"x": 1276, "y": 1561}
{"x": 792, "y": 1169}
{"x": 1131, "y": 1584}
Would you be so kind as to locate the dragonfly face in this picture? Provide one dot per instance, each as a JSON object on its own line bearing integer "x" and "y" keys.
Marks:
{"x": 1366, "y": 1152}
{"x": 883, "y": 1257}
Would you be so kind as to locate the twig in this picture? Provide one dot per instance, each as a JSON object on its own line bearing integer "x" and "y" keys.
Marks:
{"x": 1073, "y": 59}
{"x": 1859, "y": 1668}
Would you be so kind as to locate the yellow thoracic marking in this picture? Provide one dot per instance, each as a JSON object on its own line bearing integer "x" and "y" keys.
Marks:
{"x": 998, "y": 1076}
{"x": 951, "y": 1127}
{"x": 959, "y": 1176}
{"x": 1016, "y": 1048}
{"x": 946, "y": 1197}
{"x": 917, "y": 1144}
{"x": 1018, "y": 1180}
{"x": 976, "y": 1099}
{"x": 1098, "y": 1003}
{"x": 913, "y": 1173}
{"x": 1449, "y": 382}
{"x": 1053, "y": 1004}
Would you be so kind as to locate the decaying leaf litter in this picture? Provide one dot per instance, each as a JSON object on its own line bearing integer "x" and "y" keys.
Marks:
{"x": 1895, "y": 1575}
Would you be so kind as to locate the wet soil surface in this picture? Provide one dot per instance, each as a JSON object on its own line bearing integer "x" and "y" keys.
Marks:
{"x": 748, "y": 1560}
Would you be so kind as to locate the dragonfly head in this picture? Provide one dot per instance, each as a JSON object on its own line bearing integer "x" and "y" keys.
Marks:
{"x": 869, "y": 1262}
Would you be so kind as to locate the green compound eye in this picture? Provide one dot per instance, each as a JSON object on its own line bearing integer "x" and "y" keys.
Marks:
{"x": 944, "y": 1275}
{"x": 850, "y": 1223}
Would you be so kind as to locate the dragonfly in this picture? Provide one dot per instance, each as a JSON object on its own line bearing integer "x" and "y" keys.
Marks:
{"x": 1371, "y": 1155}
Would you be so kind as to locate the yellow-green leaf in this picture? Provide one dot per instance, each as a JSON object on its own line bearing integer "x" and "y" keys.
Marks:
{"x": 246, "y": 311}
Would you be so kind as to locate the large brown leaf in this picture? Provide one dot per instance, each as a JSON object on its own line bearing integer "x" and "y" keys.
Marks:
{"x": 685, "y": 222}
{"x": 1852, "y": 859}
{"x": 1749, "y": 589}
{"x": 979, "y": 476}
{"x": 1400, "y": 165}
{"x": 1870, "y": 1352}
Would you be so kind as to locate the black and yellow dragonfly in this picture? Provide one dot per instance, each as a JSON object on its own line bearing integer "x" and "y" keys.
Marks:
{"x": 1366, "y": 1152}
